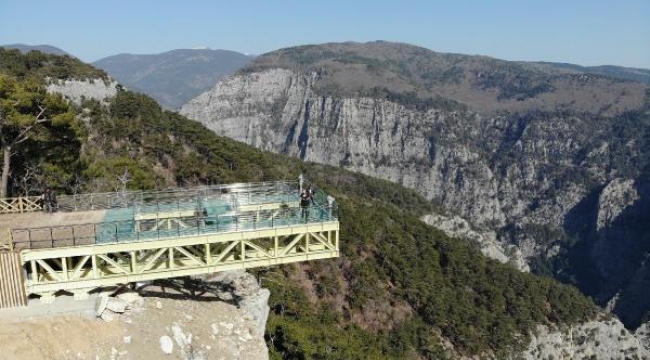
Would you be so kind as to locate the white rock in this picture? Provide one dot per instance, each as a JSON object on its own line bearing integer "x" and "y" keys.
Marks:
{"x": 166, "y": 344}
{"x": 89, "y": 89}
{"x": 130, "y": 297}
{"x": 158, "y": 305}
{"x": 109, "y": 316}
{"x": 605, "y": 339}
{"x": 127, "y": 339}
{"x": 117, "y": 305}
{"x": 100, "y": 305}
{"x": 228, "y": 326}
{"x": 614, "y": 198}
{"x": 181, "y": 339}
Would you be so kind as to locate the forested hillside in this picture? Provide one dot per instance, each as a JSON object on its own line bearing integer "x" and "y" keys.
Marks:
{"x": 400, "y": 290}
{"x": 550, "y": 163}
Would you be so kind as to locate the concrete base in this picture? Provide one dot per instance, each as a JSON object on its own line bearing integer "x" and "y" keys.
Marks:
{"x": 64, "y": 305}
{"x": 47, "y": 298}
{"x": 82, "y": 294}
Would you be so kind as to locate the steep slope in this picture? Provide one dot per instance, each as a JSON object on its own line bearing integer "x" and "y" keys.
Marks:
{"x": 173, "y": 77}
{"x": 400, "y": 290}
{"x": 522, "y": 150}
{"x": 47, "y": 49}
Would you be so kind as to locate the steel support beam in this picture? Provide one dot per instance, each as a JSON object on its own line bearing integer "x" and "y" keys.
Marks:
{"x": 92, "y": 266}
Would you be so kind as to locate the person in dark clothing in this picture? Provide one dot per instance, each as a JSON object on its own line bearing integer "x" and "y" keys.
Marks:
{"x": 49, "y": 201}
{"x": 305, "y": 201}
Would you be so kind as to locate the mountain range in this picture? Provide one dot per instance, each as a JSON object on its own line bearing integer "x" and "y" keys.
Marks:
{"x": 549, "y": 165}
{"x": 173, "y": 77}
{"x": 546, "y": 166}
{"x": 401, "y": 289}
{"x": 627, "y": 73}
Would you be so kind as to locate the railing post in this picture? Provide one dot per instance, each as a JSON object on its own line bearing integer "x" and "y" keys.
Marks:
{"x": 20, "y": 204}
{"x": 11, "y": 239}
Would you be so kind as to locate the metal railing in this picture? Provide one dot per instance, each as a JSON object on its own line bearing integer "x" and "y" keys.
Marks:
{"x": 123, "y": 199}
{"x": 170, "y": 227}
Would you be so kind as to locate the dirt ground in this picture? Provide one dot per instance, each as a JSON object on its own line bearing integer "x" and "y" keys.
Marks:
{"x": 200, "y": 330}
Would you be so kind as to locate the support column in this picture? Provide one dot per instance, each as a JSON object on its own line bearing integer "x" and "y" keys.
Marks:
{"x": 64, "y": 268}
{"x": 208, "y": 255}
{"x": 275, "y": 245}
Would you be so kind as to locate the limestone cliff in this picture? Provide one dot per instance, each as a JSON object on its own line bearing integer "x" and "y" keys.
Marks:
{"x": 76, "y": 90}
{"x": 553, "y": 186}
{"x": 605, "y": 339}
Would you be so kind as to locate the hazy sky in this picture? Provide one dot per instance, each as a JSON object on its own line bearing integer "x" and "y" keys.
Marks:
{"x": 585, "y": 32}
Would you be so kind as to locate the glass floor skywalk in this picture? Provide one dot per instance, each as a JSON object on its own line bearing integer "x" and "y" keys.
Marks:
{"x": 156, "y": 215}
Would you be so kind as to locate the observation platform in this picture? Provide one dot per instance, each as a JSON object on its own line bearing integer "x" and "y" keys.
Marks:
{"x": 97, "y": 240}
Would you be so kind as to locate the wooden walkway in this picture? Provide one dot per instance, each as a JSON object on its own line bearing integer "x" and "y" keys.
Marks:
{"x": 12, "y": 286}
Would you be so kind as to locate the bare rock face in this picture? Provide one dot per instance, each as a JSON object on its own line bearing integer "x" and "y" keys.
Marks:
{"x": 643, "y": 335}
{"x": 605, "y": 339}
{"x": 243, "y": 289}
{"x": 277, "y": 110}
{"x": 487, "y": 242}
{"x": 540, "y": 180}
{"x": 76, "y": 90}
{"x": 615, "y": 197}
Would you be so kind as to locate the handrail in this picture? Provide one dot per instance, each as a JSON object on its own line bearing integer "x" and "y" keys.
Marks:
{"x": 121, "y": 199}
{"x": 154, "y": 229}
{"x": 111, "y": 200}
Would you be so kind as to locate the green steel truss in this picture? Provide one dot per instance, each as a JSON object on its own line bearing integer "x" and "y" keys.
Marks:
{"x": 154, "y": 235}
{"x": 81, "y": 269}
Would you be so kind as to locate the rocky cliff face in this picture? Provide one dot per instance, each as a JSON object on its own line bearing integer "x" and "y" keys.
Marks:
{"x": 76, "y": 90}
{"x": 487, "y": 241}
{"x": 552, "y": 185}
{"x": 605, "y": 339}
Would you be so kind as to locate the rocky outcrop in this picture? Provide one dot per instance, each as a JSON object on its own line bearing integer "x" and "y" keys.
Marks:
{"x": 643, "y": 335}
{"x": 195, "y": 330}
{"x": 277, "y": 110}
{"x": 533, "y": 178}
{"x": 614, "y": 198}
{"x": 243, "y": 290}
{"x": 606, "y": 339}
{"x": 458, "y": 227}
{"x": 76, "y": 90}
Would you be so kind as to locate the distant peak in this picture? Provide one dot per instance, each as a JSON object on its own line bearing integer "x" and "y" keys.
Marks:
{"x": 201, "y": 47}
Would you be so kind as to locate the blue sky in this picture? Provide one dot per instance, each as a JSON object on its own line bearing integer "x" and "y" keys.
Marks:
{"x": 592, "y": 32}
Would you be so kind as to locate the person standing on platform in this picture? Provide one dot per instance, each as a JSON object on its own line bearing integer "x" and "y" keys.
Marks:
{"x": 305, "y": 201}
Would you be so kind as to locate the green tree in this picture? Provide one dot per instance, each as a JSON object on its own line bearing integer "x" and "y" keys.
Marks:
{"x": 27, "y": 113}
